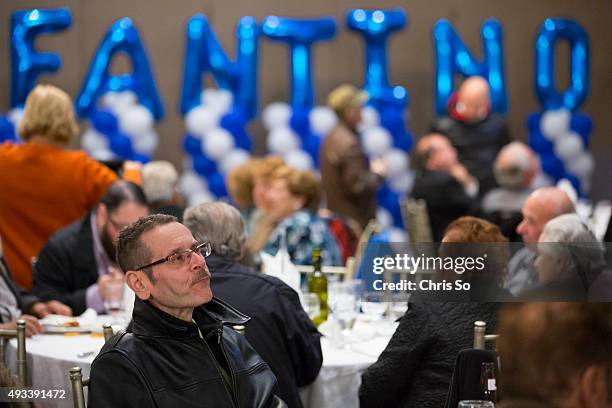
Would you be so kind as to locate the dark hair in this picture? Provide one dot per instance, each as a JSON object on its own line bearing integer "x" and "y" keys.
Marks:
{"x": 131, "y": 251}
{"x": 123, "y": 191}
{"x": 544, "y": 346}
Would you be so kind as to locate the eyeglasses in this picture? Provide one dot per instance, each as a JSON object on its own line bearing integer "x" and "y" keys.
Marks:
{"x": 116, "y": 225}
{"x": 182, "y": 257}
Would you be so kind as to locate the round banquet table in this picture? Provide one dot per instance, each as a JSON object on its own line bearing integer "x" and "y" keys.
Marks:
{"x": 50, "y": 357}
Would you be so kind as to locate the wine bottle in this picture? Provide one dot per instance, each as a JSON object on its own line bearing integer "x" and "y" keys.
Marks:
{"x": 488, "y": 382}
{"x": 317, "y": 284}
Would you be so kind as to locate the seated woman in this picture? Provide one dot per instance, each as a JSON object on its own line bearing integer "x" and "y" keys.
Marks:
{"x": 416, "y": 367}
{"x": 293, "y": 199}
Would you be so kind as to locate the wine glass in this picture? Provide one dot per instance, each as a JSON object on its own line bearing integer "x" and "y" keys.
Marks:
{"x": 399, "y": 304}
{"x": 311, "y": 304}
{"x": 343, "y": 300}
{"x": 373, "y": 305}
{"x": 113, "y": 298}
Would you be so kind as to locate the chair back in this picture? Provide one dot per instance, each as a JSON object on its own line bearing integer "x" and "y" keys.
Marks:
{"x": 416, "y": 220}
{"x": 76, "y": 376}
{"x": 480, "y": 336}
{"x": 22, "y": 362}
{"x": 465, "y": 382}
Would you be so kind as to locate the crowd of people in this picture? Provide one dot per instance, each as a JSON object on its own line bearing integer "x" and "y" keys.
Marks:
{"x": 71, "y": 227}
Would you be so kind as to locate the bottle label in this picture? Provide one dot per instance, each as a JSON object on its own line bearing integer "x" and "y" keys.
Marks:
{"x": 491, "y": 386}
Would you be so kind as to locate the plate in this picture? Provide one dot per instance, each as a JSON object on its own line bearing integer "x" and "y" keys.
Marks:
{"x": 55, "y": 329}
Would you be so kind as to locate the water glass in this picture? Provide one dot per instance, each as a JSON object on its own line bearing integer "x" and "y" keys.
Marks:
{"x": 311, "y": 304}
{"x": 399, "y": 304}
{"x": 373, "y": 305}
{"x": 113, "y": 297}
{"x": 475, "y": 404}
{"x": 344, "y": 302}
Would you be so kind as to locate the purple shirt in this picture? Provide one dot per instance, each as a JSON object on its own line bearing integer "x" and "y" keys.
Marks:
{"x": 93, "y": 298}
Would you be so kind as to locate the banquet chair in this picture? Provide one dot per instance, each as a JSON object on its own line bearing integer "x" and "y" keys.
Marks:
{"x": 76, "y": 377}
{"x": 416, "y": 220}
{"x": 22, "y": 362}
{"x": 480, "y": 338}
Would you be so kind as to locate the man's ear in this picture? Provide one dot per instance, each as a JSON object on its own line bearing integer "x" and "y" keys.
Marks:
{"x": 593, "y": 385}
{"x": 140, "y": 283}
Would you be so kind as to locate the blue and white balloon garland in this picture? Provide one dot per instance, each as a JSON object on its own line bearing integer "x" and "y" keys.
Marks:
{"x": 559, "y": 134}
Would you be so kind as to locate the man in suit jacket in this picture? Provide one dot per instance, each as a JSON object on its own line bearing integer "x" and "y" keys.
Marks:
{"x": 447, "y": 187}
{"x": 78, "y": 261}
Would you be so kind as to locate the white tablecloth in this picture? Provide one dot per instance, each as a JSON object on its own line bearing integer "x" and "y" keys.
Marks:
{"x": 50, "y": 358}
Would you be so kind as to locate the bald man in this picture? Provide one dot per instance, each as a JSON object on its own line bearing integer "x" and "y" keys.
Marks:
{"x": 474, "y": 131}
{"x": 447, "y": 187}
{"x": 540, "y": 207}
{"x": 515, "y": 168}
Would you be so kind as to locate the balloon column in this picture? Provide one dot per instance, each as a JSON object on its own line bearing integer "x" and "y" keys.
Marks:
{"x": 559, "y": 134}
{"x": 27, "y": 63}
{"x": 216, "y": 139}
{"x": 124, "y": 125}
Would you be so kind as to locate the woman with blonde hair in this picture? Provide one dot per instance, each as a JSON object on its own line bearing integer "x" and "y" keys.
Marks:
{"x": 44, "y": 186}
{"x": 293, "y": 199}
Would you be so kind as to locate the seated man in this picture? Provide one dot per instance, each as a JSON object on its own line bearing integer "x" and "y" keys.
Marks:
{"x": 279, "y": 330}
{"x": 555, "y": 355}
{"x": 446, "y": 186}
{"x": 540, "y": 207}
{"x": 515, "y": 168}
{"x": 473, "y": 130}
{"x": 78, "y": 262}
{"x": 180, "y": 354}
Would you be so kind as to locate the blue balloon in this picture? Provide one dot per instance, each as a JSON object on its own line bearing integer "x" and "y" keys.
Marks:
{"x": 7, "y": 129}
{"x": 540, "y": 144}
{"x": 205, "y": 54}
{"x": 216, "y": 184}
{"x": 551, "y": 31}
{"x": 575, "y": 183}
{"x": 300, "y": 35}
{"x": 533, "y": 122}
{"x": 403, "y": 141}
{"x": 203, "y": 165}
{"x": 243, "y": 141}
{"x": 123, "y": 37}
{"x": 312, "y": 144}
{"x": 104, "y": 121}
{"x": 192, "y": 145}
{"x": 121, "y": 145}
{"x": 142, "y": 158}
{"x": 27, "y": 63}
{"x": 392, "y": 118}
{"x": 552, "y": 165}
{"x": 234, "y": 121}
{"x": 583, "y": 125}
{"x": 300, "y": 122}
{"x": 452, "y": 57}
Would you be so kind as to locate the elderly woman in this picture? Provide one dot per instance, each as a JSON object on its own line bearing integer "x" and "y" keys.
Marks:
{"x": 569, "y": 258}
{"x": 293, "y": 199}
{"x": 416, "y": 367}
{"x": 44, "y": 186}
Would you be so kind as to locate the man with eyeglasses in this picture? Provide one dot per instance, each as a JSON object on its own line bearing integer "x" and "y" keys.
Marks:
{"x": 78, "y": 264}
{"x": 182, "y": 351}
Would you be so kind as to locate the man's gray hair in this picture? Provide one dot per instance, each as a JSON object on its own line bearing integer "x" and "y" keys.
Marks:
{"x": 220, "y": 224}
{"x": 159, "y": 180}
{"x": 510, "y": 173}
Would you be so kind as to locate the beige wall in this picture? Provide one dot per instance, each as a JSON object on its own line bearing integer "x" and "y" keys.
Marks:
{"x": 161, "y": 24}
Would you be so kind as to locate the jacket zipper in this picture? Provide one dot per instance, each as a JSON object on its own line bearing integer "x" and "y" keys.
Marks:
{"x": 212, "y": 356}
{"x": 229, "y": 364}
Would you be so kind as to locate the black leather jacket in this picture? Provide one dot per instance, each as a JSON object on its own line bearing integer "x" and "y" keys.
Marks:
{"x": 165, "y": 363}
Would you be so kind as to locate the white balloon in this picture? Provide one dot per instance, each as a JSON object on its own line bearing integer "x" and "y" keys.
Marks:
{"x": 199, "y": 198}
{"x": 145, "y": 143}
{"x": 102, "y": 154}
{"x": 568, "y": 146}
{"x": 93, "y": 141}
{"x": 582, "y": 165}
{"x": 397, "y": 235}
{"x": 275, "y": 115}
{"x": 208, "y": 96}
{"x": 136, "y": 120}
{"x": 221, "y": 101}
{"x": 119, "y": 102}
{"x": 110, "y": 99}
{"x": 402, "y": 183}
{"x": 299, "y": 159}
{"x": 322, "y": 120}
{"x": 383, "y": 217}
{"x": 200, "y": 120}
{"x": 377, "y": 141}
{"x": 397, "y": 162}
{"x": 233, "y": 159}
{"x": 190, "y": 182}
{"x": 555, "y": 123}
{"x": 282, "y": 140}
{"x": 369, "y": 118}
{"x": 542, "y": 180}
{"x": 217, "y": 143}
{"x": 14, "y": 116}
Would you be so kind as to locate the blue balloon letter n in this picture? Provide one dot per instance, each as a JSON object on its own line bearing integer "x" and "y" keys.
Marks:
{"x": 26, "y": 62}
{"x": 453, "y": 58}
{"x": 121, "y": 37}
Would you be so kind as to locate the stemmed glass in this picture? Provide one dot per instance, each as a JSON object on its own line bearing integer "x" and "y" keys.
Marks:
{"x": 373, "y": 305}
{"x": 113, "y": 299}
{"x": 343, "y": 300}
{"x": 311, "y": 304}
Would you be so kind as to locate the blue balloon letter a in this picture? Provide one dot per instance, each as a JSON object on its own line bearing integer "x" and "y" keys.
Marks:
{"x": 121, "y": 37}
{"x": 453, "y": 57}
{"x": 26, "y": 63}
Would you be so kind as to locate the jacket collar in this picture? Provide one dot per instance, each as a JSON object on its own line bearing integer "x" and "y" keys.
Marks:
{"x": 150, "y": 321}
{"x": 84, "y": 258}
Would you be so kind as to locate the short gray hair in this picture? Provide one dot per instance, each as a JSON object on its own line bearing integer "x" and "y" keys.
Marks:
{"x": 220, "y": 224}
{"x": 159, "y": 180}
{"x": 510, "y": 170}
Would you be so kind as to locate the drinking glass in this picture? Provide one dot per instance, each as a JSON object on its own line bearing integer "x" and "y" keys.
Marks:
{"x": 475, "y": 404}
{"x": 113, "y": 298}
{"x": 399, "y": 304}
{"x": 373, "y": 304}
{"x": 311, "y": 304}
{"x": 343, "y": 301}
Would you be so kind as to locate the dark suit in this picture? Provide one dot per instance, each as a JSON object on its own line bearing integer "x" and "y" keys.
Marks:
{"x": 445, "y": 197}
{"x": 23, "y": 299}
{"x": 66, "y": 266}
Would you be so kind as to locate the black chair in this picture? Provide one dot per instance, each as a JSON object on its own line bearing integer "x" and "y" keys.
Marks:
{"x": 465, "y": 382}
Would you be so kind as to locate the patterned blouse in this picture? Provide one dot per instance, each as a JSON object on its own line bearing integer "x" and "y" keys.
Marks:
{"x": 303, "y": 232}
